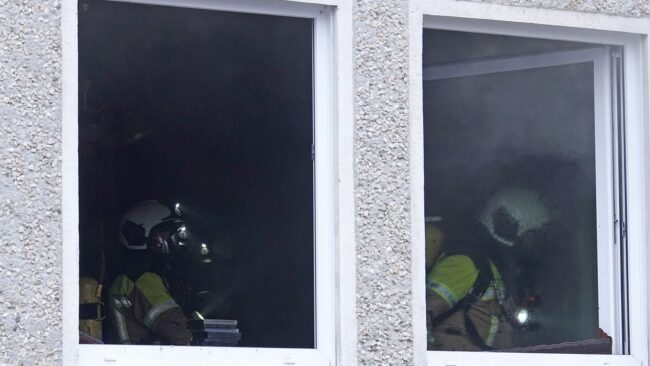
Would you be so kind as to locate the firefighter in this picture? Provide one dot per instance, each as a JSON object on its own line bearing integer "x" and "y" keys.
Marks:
{"x": 468, "y": 305}
{"x": 141, "y": 308}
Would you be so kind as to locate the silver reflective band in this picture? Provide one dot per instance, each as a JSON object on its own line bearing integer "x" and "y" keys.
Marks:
{"x": 492, "y": 333}
{"x": 120, "y": 324}
{"x": 155, "y": 311}
{"x": 490, "y": 293}
{"x": 122, "y": 302}
{"x": 443, "y": 292}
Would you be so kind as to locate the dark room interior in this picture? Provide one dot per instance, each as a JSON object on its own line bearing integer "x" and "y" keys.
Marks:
{"x": 212, "y": 110}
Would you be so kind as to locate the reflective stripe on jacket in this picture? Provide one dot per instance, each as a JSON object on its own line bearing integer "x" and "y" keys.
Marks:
{"x": 140, "y": 308}
{"x": 448, "y": 282}
{"x": 453, "y": 277}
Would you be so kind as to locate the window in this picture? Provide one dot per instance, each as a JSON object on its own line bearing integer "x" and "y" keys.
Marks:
{"x": 514, "y": 149}
{"x": 204, "y": 158}
{"x": 526, "y": 179}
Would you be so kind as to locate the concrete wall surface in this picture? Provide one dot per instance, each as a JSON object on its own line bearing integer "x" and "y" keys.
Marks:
{"x": 631, "y": 8}
{"x": 382, "y": 183}
{"x": 30, "y": 182}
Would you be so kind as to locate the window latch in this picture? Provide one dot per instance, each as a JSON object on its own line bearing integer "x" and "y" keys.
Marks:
{"x": 623, "y": 230}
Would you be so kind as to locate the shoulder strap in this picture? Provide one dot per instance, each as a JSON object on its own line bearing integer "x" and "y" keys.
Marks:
{"x": 477, "y": 291}
{"x": 482, "y": 282}
{"x": 481, "y": 285}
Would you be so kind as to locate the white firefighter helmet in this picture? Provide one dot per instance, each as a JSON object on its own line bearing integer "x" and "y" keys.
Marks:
{"x": 511, "y": 212}
{"x": 138, "y": 222}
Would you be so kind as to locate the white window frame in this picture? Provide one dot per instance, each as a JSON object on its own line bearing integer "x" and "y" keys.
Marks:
{"x": 559, "y": 25}
{"x": 607, "y": 251}
{"x": 333, "y": 192}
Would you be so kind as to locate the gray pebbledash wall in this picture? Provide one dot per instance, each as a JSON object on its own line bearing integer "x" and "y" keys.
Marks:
{"x": 30, "y": 182}
{"x": 631, "y": 8}
{"x": 30, "y": 176}
{"x": 381, "y": 151}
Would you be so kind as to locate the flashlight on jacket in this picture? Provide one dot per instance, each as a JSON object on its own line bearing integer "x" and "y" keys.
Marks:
{"x": 525, "y": 316}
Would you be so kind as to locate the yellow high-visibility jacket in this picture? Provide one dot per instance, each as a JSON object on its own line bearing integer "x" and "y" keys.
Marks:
{"x": 448, "y": 282}
{"x": 143, "y": 310}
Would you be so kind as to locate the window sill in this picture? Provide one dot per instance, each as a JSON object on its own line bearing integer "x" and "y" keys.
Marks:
{"x": 116, "y": 355}
{"x": 446, "y": 358}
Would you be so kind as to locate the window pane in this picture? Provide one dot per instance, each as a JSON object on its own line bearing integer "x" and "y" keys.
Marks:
{"x": 510, "y": 200}
{"x": 211, "y": 110}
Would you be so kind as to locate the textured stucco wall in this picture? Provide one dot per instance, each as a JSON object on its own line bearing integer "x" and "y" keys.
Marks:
{"x": 632, "y": 8}
{"x": 30, "y": 182}
{"x": 381, "y": 154}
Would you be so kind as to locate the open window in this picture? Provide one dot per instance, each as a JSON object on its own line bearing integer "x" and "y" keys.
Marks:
{"x": 203, "y": 130}
{"x": 525, "y": 195}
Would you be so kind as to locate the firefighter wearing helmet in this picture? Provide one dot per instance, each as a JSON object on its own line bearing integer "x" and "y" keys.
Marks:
{"x": 141, "y": 308}
{"x": 469, "y": 307}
